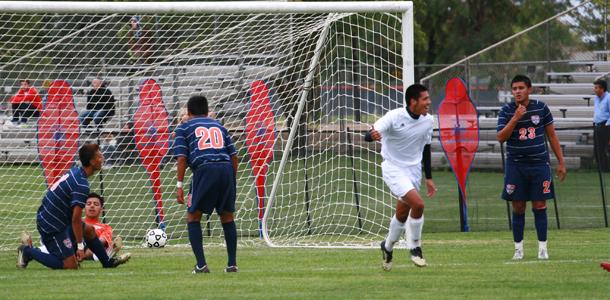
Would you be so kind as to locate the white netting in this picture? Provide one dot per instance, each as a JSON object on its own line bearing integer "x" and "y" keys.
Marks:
{"x": 330, "y": 192}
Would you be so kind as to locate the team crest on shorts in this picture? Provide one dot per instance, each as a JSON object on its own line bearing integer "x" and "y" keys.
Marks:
{"x": 535, "y": 119}
{"x": 510, "y": 188}
{"x": 68, "y": 243}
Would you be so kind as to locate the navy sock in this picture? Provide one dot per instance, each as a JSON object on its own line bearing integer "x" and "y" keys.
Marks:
{"x": 98, "y": 249}
{"x": 196, "y": 239}
{"x": 518, "y": 226}
{"x": 541, "y": 221}
{"x": 46, "y": 259}
{"x": 230, "y": 231}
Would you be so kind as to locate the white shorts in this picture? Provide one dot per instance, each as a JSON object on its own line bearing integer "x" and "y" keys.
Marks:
{"x": 401, "y": 180}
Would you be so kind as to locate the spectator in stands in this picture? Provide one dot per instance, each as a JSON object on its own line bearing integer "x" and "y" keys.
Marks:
{"x": 601, "y": 122}
{"x": 139, "y": 41}
{"x": 26, "y": 103}
{"x": 125, "y": 145}
{"x": 100, "y": 104}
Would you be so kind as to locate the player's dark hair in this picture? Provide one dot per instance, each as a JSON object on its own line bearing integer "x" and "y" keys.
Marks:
{"x": 197, "y": 105}
{"x": 26, "y": 81}
{"x": 522, "y": 78}
{"x": 413, "y": 92}
{"x": 86, "y": 153}
{"x": 601, "y": 83}
{"x": 99, "y": 197}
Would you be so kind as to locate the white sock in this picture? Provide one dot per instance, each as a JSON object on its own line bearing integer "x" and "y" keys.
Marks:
{"x": 519, "y": 245}
{"x": 541, "y": 245}
{"x": 396, "y": 230}
{"x": 415, "y": 229}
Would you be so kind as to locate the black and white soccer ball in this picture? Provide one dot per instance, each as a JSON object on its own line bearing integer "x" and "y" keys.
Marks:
{"x": 156, "y": 238}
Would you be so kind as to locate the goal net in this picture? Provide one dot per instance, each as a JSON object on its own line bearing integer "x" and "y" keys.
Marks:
{"x": 296, "y": 84}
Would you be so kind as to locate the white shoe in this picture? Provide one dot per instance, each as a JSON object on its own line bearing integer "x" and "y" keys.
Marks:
{"x": 417, "y": 257}
{"x": 518, "y": 251}
{"x": 543, "y": 253}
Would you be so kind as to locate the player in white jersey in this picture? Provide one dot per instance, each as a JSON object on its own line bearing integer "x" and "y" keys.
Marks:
{"x": 405, "y": 135}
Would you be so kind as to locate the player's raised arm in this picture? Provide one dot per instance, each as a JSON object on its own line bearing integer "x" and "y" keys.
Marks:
{"x": 506, "y": 126}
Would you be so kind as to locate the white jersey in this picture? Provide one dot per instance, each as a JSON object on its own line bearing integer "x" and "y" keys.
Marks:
{"x": 403, "y": 138}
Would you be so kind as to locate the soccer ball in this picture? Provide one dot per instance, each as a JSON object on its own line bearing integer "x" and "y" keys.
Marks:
{"x": 156, "y": 238}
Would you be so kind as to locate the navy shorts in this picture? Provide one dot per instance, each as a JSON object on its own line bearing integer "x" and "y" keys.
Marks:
{"x": 213, "y": 187}
{"x": 59, "y": 244}
{"x": 528, "y": 182}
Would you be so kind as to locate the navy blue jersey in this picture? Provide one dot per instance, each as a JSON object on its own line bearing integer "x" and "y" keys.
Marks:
{"x": 203, "y": 140}
{"x": 55, "y": 212}
{"x": 526, "y": 143}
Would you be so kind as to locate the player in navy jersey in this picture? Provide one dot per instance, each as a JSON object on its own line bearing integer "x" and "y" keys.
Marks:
{"x": 523, "y": 124}
{"x": 205, "y": 146}
{"x": 59, "y": 220}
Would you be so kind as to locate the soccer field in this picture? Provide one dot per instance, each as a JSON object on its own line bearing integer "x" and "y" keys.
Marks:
{"x": 130, "y": 209}
{"x": 461, "y": 265}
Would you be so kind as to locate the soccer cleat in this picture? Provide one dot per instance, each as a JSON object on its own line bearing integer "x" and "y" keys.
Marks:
{"x": 203, "y": 269}
{"x": 417, "y": 257}
{"x": 543, "y": 254}
{"x": 231, "y": 269}
{"x": 117, "y": 244}
{"x": 22, "y": 258}
{"x": 387, "y": 257}
{"x": 605, "y": 265}
{"x": 518, "y": 254}
{"x": 118, "y": 260}
{"x": 26, "y": 239}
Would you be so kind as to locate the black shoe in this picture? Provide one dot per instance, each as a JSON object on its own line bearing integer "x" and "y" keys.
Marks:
{"x": 231, "y": 269}
{"x": 417, "y": 257}
{"x": 387, "y": 257}
{"x": 118, "y": 260}
{"x": 203, "y": 269}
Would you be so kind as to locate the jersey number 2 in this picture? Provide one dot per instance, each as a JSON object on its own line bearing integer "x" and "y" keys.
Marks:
{"x": 546, "y": 186}
{"x": 209, "y": 138}
{"x": 529, "y": 133}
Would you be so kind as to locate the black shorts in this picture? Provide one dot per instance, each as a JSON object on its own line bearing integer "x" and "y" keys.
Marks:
{"x": 213, "y": 187}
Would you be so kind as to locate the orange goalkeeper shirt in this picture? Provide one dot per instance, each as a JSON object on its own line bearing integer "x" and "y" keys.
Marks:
{"x": 102, "y": 231}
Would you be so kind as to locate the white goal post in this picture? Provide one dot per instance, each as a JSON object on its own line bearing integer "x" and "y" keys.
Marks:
{"x": 296, "y": 84}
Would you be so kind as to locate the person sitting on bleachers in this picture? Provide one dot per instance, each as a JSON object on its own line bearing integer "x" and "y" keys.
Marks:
{"x": 26, "y": 104}
{"x": 100, "y": 104}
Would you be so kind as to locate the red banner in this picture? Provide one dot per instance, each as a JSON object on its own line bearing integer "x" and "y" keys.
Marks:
{"x": 151, "y": 132}
{"x": 260, "y": 137}
{"x": 58, "y": 131}
{"x": 459, "y": 135}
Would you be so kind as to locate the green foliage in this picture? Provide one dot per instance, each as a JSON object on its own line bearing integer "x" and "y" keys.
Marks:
{"x": 453, "y": 29}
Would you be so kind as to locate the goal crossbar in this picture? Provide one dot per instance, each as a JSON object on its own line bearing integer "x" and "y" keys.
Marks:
{"x": 203, "y": 7}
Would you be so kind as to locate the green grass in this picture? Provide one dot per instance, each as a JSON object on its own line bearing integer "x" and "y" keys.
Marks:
{"x": 461, "y": 265}
{"x": 333, "y": 213}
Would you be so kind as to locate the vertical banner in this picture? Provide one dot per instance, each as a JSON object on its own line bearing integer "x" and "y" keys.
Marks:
{"x": 58, "y": 131}
{"x": 260, "y": 139}
{"x": 459, "y": 135}
{"x": 151, "y": 133}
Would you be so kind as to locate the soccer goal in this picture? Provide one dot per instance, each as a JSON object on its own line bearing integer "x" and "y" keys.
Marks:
{"x": 296, "y": 83}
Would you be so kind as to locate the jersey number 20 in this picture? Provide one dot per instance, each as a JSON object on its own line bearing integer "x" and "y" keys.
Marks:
{"x": 209, "y": 138}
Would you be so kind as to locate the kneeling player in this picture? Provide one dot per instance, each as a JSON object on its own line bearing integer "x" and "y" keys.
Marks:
{"x": 405, "y": 135}
{"x": 59, "y": 220}
{"x": 206, "y": 146}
